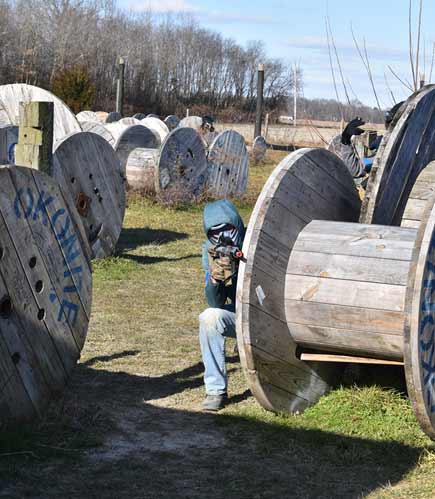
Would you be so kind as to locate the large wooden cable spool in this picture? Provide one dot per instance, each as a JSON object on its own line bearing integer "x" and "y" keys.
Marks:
{"x": 101, "y": 116}
{"x": 45, "y": 292}
{"x": 141, "y": 170}
{"x": 157, "y": 125}
{"x": 113, "y": 117}
{"x": 228, "y": 161}
{"x": 172, "y": 122}
{"x": 8, "y": 140}
{"x": 99, "y": 129}
{"x": 194, "y": 122}
{"x": 129, "y": 121}
{"x": 86, "y": 116}
{"x": 89, "y": 173}
{"x": 129, "y": 138}
{"x": 65, "y": 121}
{"x": 258, "y": 149}
{"x": 350, "y": 291}
{"x": 178, "y": 170}
{"x": 407, "y": 148}
{"x": 308, "y": 184}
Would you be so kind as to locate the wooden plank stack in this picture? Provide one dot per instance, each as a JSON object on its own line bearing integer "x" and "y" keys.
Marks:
{"x": 317, "y": 286}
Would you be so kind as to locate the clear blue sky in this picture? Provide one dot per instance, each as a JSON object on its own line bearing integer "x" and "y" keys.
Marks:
{"x": 294, "y": 31}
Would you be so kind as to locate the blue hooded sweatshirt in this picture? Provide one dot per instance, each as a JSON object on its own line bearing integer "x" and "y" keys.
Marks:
{"x": 217, "y": 213}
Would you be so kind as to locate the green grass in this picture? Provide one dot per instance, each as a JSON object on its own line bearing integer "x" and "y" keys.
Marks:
{"x": 129, "y": 425}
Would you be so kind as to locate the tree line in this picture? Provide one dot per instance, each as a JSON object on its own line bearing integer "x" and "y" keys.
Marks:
{"x": 172, "y": 63}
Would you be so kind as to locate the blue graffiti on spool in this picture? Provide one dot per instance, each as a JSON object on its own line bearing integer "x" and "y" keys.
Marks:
{"x": 427, "y": 331}
{"x": 34, "y": 207}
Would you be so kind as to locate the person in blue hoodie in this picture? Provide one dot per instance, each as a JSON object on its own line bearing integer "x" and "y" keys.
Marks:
{"x": 220, "y": 220}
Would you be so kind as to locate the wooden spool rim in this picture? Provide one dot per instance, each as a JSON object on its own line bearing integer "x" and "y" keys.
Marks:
{"x": 65, "y": 121}
{"x": 419, "y": 299}
{"x": 309, "y": 377}
{"x": 379, "y": 173}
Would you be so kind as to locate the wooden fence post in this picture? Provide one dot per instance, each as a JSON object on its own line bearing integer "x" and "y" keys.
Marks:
{"x": 35, "y": 136}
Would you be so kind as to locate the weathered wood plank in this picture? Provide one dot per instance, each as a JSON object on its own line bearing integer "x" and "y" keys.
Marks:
{"x": 316, "y": 357}
{"x": 349, "y": 267}
{"x": 346, "y": 293}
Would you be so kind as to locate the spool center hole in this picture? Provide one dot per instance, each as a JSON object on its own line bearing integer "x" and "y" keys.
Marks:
{"x": 39, "y": 286}
{"x": 5, "y": 307}
{"x": 16, "y": 357}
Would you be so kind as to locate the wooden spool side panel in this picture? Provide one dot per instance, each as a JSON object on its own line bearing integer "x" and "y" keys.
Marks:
{"x": 45, "y": 273}
{"x": 172, "y": 122}
{"x": 141, "y": 170}
{"x": 349, "y": 270}
{"x": 113, "y": 117}
{"x": 99, "y": 129}
{"x": 182, "y": 169}
{"x": 8, "y": 139}
{"x": 406, "y": 150}
{"x": 64, "y": 120}
{"x": 307, "y": 184}
{"x": 129, "y": 121}
{"x": 101, "y": 116}
{"x": 228, "y": 162}
{"x": 259, "y": 149}
{"x": 157, "y": 125}
{"x": 129, "y": 138}
{"x": 90, "y": 174}
{"x": 84, "y": 116}
{"x": 194, "y": 122}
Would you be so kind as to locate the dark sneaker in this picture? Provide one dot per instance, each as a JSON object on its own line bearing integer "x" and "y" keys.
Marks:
{"x": 214, "y": 403}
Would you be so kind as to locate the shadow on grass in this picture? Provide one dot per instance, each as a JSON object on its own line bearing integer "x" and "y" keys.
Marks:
{"x": 131, "y": 238}
{"x": 146, "y": 260}
{"x": 109, "y": 440}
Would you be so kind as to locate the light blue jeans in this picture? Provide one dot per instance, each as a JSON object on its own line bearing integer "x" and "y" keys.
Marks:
{"x": 215, "y": 324}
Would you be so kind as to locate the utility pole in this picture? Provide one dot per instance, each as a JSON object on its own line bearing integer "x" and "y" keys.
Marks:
{"x": 260, "y": 90}
{"x": 120, "y": 87}
{"x": 295, "y": 94}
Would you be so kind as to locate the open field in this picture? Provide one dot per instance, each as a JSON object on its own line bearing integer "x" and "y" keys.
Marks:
{"x": 129, "y": 425}
{"x": 305, "y": 134}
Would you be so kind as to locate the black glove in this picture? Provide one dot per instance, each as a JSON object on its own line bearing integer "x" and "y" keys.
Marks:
{"x": 352, "y": 128}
